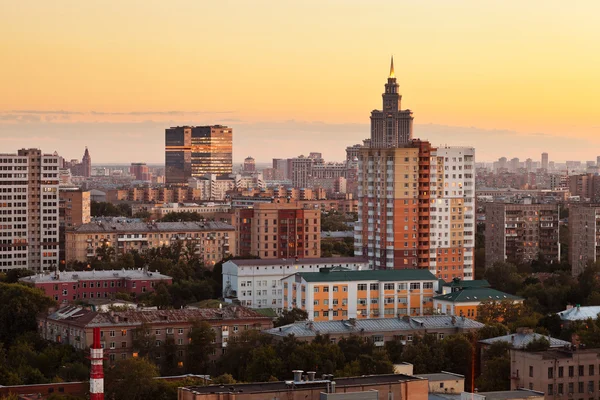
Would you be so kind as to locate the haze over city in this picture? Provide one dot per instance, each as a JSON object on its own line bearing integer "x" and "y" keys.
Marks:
{"x": 490, "y": 75}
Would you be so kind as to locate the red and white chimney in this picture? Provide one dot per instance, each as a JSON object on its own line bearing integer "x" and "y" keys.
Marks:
{"x": 96, "y": 371}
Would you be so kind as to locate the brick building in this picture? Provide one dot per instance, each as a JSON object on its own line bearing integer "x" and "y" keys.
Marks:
{"x": 278, "y": 230}
{"x": 66, "y": 287}
{"x": 584, "y": 228}
{"x": 73, "y": 325}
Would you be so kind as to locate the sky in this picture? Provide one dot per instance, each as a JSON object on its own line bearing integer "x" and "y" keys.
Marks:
{"x": 511, "y": 78}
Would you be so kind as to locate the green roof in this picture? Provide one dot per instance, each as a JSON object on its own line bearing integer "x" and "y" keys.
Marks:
{"x": 478, "y": 283}
{"x": 476, "y": 294}
{"x": 266, "y": 312}
{"x": 327, "y": 275}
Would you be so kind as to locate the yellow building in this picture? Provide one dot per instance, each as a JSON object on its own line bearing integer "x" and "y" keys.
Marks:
{"x": 465, "y": 302}
{"x": 339, "y": 294}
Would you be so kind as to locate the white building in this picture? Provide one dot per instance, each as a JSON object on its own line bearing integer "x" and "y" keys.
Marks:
{"x": 257, "y": 283}
{"x": 29, "y": 210}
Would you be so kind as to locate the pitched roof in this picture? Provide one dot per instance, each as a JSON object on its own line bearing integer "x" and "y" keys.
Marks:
{"x": 329, "y": 275}
{"x": 102, "y": 227}
{"x": 521, "y": 340}
{"x": 75, "y": 276}
{"x": 311, "y": 329}
{"x": 579, "y": 313}
{"x": 469, "y": 295}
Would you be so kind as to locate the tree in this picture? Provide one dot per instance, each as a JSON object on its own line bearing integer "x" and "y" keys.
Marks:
{"x": 224, "y": 379}
{"x": 291, "y": 316}
{"x": 131, "y": 379}
{"x": 20, "y": 306}
{"x": 495, "y": 373}
{"x": 538, "y": 344}
{"x": 504, "y": 277}
{"x": 492, "y": 330}
{"x": 458, "y": 356}
{"x": 144, "y": 341}
{"x": 263, "y": 365}
{"x": 506, "y": 311}
{"x": 200, "y": 346}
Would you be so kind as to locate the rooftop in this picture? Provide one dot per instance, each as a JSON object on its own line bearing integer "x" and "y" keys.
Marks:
{"x": 75, "y": 276}
{"x": 459, "y": 283}
{"x": 328, "y": 275}
{"x": 440, "y": 376}
{"x": 511, "y": 394}
{"x": 521, "y": 340}
{"x": 300, "y": 261}
{"x": 87, "y": 318}
{"x": 311, "y": 329}
{"x": 287, "y": 385}
{"x": 468, "y": 295}
{"x": 102, "y": 227}
{"x": 579, "y": 313}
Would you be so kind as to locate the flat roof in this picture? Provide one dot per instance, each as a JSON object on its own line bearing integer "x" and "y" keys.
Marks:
{"x": 103, "y": 227}
{"x": 286, "y": 385}
{"x": 511, "y": 394}
{"x": 300, "y": 261}
{"x": 326, "y": 275}
{"x": 441, "y": 376}
{"x": 75, "y": 276}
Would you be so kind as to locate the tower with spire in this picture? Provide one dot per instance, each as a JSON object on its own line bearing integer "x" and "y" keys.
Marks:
{"x": 86, "y": 164}
{"x": 391, "y": 126}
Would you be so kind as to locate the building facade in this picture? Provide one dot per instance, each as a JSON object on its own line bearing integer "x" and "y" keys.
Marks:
{"x": 67, "y": 287}
{"x": 74, "y": 210}
{"x": 336, "y": 295}
{"x": 278, "y": 230}
{"x": 140, "y": 171}
{"x": 466, "y": 302}
{"x": 257, "y": 283}
{"x": 29, "y": 210}
{"x": 584, "y": 230}
{"x": 520, "y": 233}
{"x": 211, "y": 241}
{"x": 178, "y": 155}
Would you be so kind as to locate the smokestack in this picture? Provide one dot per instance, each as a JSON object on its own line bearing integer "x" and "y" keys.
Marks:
{"x": 96, "y": 371}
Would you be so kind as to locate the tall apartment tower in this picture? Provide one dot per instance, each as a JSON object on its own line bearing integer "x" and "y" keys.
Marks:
{"x": 194, "y": 151}
{"x": 30, "y": 210}
{"x": 391, "y": 127}
{"x": 86, "y": 164}
{"x": 520, "y": 233}
{"x": 545, "y": 161}
{"x": 584, "y": 228}
{"x": 416, "y": 202}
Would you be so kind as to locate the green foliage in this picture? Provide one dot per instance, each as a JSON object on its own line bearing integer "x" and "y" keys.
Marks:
{"x": 291, "y": 316}
{"x": 334, "y": 222}
{"x": 504, "y": 277}
{"x": 540, "y": 344}
{"x": 185, "y": 216}
{"x": 337, "y": 248}
{"x": 223, "y": 379}
{"x": 200, "y": 347}
{"x": 131, "y": 379}
{"x": 105, "y": 209}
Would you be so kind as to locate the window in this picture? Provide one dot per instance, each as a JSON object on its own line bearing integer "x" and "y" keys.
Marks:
{"x": 579, "y": 387}
{"x": 415, "y": 286}
{"x": 591, "y": 370}
{"x": 361, "y": 286}
{"x": 571, "y": 371}
{"x": 571, "y": 386}
{"x": 316, "y": 289}
{"x": 550, "y": 389}
{"x": 560, "y": 372}
{"x": 326, "y": 289}
{"x": 180, "y": 331}
{"x": 326, "y": 313}
{"x": 388, "y": 286}
{"x": 335, "y": 288}
{"x": 591, "y": 387}
{"x": 112, "y": 333}
{"x": 374, "y": 286}
{"x": 316, "y": 314}
{"x": 550, "y": 372}
{"x": 560, "y": 388}
{"x": 428, "y": 285}
{"x": 580, "y": 370}
{"x": 316, "y": 302}
{"x": 531, "y": 371}
{"x": 345, "y": 288}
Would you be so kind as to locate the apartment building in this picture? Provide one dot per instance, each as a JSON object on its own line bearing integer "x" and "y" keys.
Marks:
{"x": 69, "y": 286}
{"x": 584, "y": 243}
{"x": 74, "y": 325}
{"x": 379, "y": 330}
{"x": 521, "y": 232}
{"x": 257, "y": 283}
{"x": 74, "y": 210}
{"x": 159, "y": 210}
{"x": 571, "y": 373}
{"x": 336, "y": 295}
{"x": 416, "y": 209}
{"x": 211, "y": 241}
{"x": 278, "y": 230}
{"x": 29, "y": 210}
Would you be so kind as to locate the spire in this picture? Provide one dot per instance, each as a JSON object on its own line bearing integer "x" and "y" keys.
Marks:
{"x": 392, "y": 75}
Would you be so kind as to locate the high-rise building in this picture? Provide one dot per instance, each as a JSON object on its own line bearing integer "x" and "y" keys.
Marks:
{"x": 140, "y": 171}
{"x": 416, "y": 202}
{"x": 391, "y": 126}
{"x": 195, "y": 151}
{"x": 278, "y": 230}
{"x": 545, "y": 161}
{"x": 249, "y": 164}
{"x": 584, "y": 228}
{"x": 86, "y": 164}
{"x": 520, "y": 233}
{"x": 30, "y": 234}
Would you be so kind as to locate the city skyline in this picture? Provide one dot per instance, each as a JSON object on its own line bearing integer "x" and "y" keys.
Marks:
{"x": 479, "y": 75}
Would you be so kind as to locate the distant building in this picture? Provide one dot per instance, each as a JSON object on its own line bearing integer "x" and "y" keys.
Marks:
{"x": 379, "y": 330}
{"x": 249, "y": 164}
{"x": 67, "y": 287}
{"x": 178, "y": 155}
{"x": 207, "y": 210}
{"x": 30, "y": 208}
{"x": 521, "y": 232}
{"x": 522, "y": 338}
{"x": 257, "y": 283}
{"x": 140, "y": 171}
{"x": 211, "y": 241}
{"x": 74, "y": 210}
{"x": 337, "y": 295}
{"x": 73, "y": 325}
{"x": 584, "y": 230}
{"x": 466, "y": 302}
{"x": 545, "y": 161}
{"x": 278, "y": 230}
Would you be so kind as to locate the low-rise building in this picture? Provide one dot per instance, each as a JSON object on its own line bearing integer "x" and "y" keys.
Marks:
{"x": 559, "y": 373}
{"x": 257, "y": 283}
{"x": 579, "y": 313}
{"x": 466, "y": 302}
{"x": 211, "y": 241}
{"x": 445, "y": 382}
{"x": 330, "y": 295}
{"x": 74, "y": 325}
{"x": 160, "y": 210}
{"x": 378, "y": 330}
{"x": 522, "y": 338}
{"x": 516, "y": 394}
{"x": 372, "y": 387}
{"x": 66, "y": 287}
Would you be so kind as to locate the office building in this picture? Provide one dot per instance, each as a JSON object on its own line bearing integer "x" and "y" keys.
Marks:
{"x": 336, "y": 295}
{"x": 140, "y": 171}
{"x": 416, "y": 202}
{"x": 211, "y": 241}
{"x": 257, "y": 283}
{"x": 29, "y": 210}
{"x": 521, "y": 232}
{"x": 278, "y": 230}
{"x": 178, "y": 155}
{"x": 584, "y": 228}
{"x": 249, "y": 164}
{"x": 545, "y": 162}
